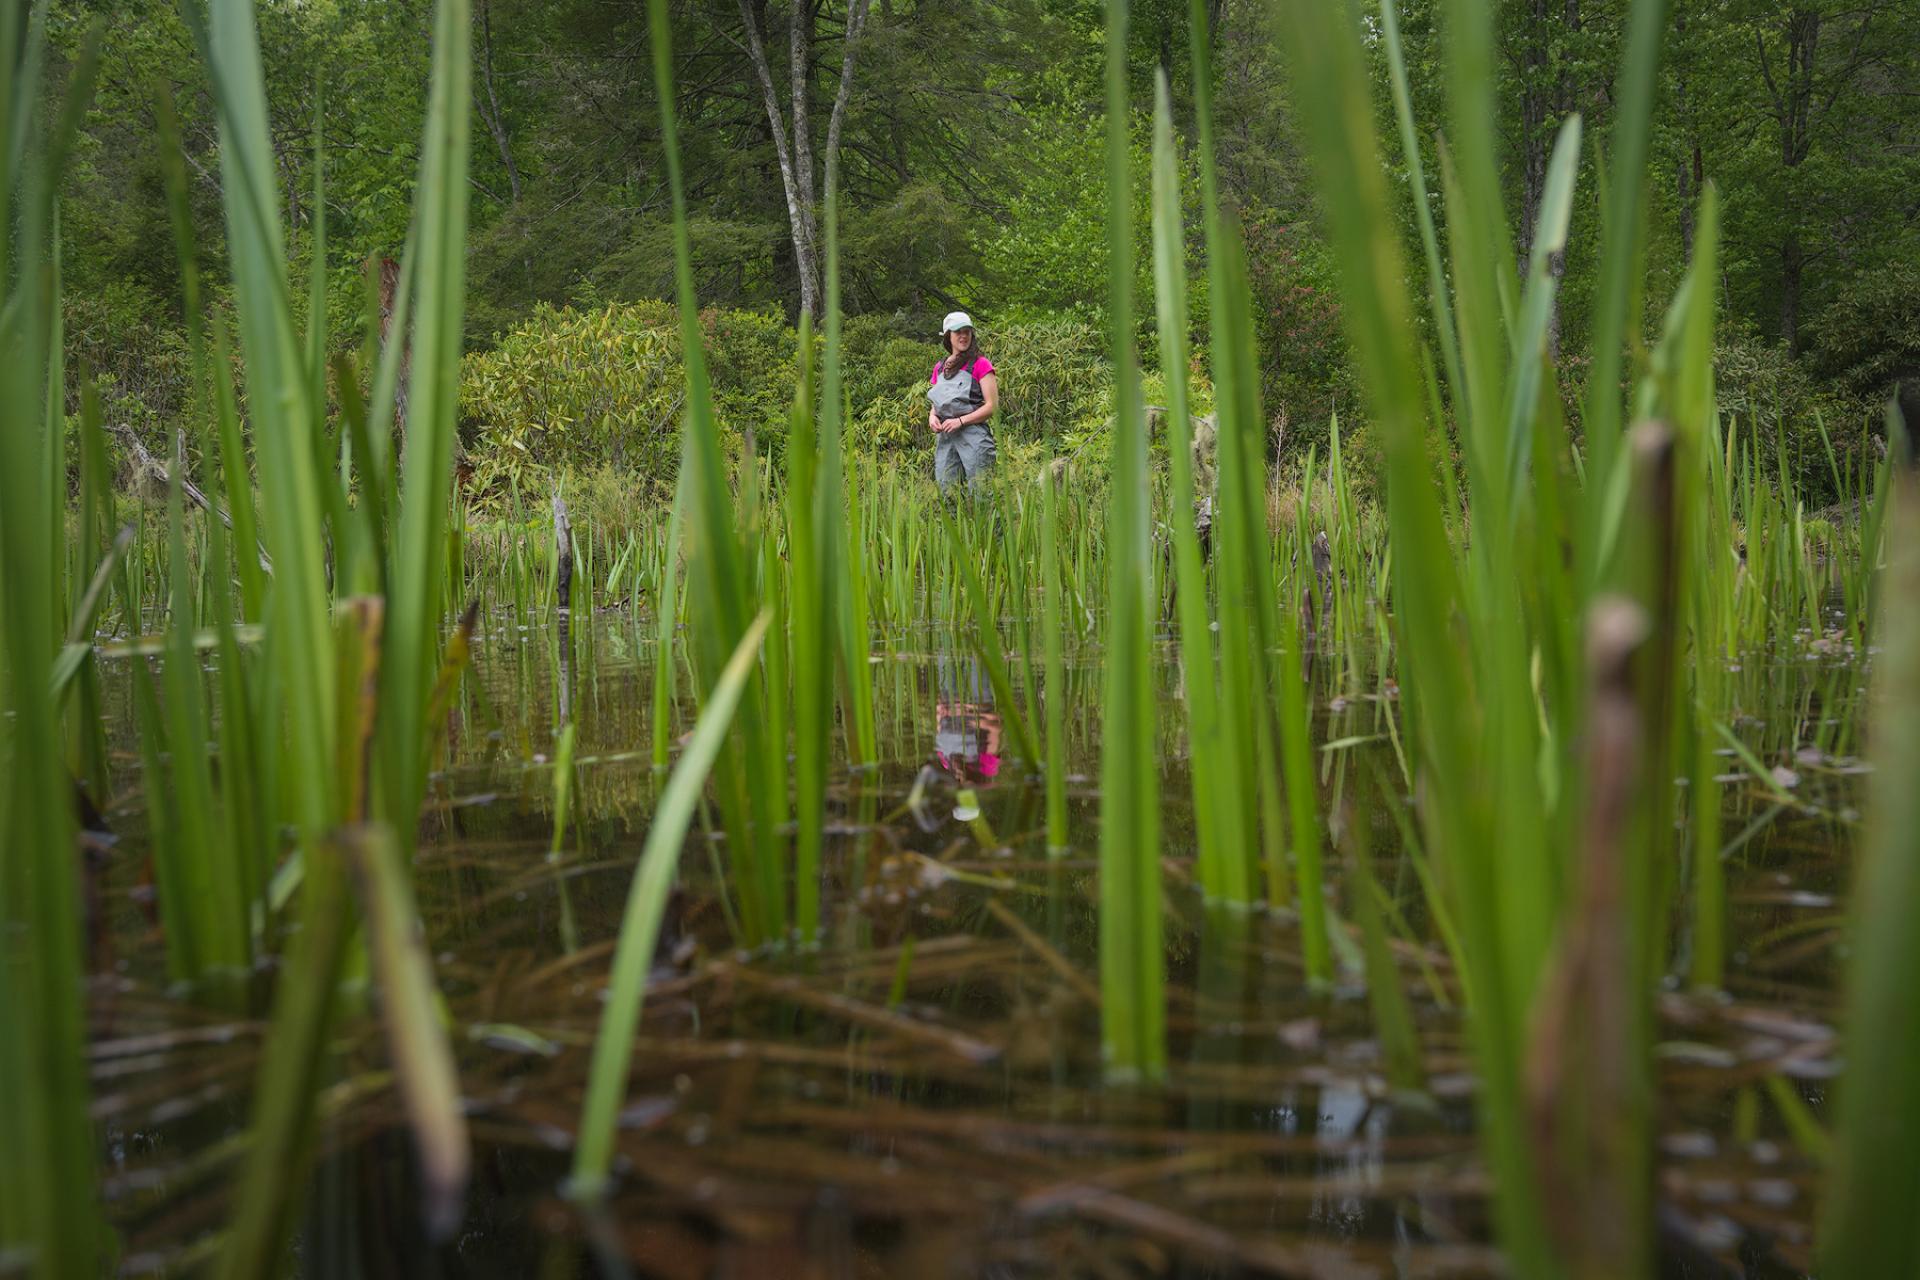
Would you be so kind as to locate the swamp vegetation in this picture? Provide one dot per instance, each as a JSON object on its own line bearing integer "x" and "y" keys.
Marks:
{"x": 1157, "y": 863}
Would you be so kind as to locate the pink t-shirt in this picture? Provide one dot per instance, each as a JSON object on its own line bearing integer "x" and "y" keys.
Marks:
{"x": 980, "y": 368}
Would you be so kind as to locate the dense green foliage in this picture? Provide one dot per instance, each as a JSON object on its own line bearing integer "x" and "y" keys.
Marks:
{"x": 594, "y": 396}
{"x": 970, "y": 172}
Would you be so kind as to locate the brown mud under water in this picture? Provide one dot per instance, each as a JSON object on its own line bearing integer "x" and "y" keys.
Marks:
{"x": 922, "y": 1095}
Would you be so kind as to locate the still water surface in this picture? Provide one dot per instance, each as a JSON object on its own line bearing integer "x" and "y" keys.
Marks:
{"x": 922, "y": 1095}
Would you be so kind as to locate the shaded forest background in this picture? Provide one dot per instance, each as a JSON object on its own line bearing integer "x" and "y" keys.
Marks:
{"x": 965, "y": 143}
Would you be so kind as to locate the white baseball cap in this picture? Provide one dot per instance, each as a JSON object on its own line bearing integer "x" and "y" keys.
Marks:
{"x": 956, "y": 320}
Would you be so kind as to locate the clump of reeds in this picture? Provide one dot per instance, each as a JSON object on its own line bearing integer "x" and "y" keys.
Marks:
{"x": 1868, "y": 1229}
{"x": 49, "y": 1216}
{"x": 1495, "y": 721}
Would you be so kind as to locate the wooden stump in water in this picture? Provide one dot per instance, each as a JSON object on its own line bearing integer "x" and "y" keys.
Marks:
{"x": 563, "y": 555}
{"x": 563, "y": 598}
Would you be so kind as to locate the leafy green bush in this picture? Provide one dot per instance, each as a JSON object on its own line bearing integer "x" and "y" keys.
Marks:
{"x": 1053, "y": 373}
{"x": 1770, "y": 397}
{"x": 753, "y": 359}
{"x": 570, "y": 389}
{"x": 1305, "y": 373}
{"x": 128, "y": 341}
{"x": 887, "y": 361}
{"x": 566, "y": 387}
{"x": 1868, "y": 337}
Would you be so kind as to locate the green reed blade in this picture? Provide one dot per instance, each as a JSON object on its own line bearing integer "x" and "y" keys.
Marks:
{"x": 846, "y": 607}
{"x": 251, "y": 840}
{"x": 640, "y": 926}
{"x": 54, "y": 448}
{"x": 440, "y": 223}
{"x": 207, "y": 874}
{"x": 1053, "y": 627}
{"x": 1303, "y": 819}
{"x": 47, "y": 1145}
{"x": 1618, "y": 279}
{"x": 1132, "y": 960}
{"x": 856, "y": 645}
{"x": 454, "y": 659}
{"x": 175, "y": 894}
{"x": 1477, "y": 233}
{"x": 370, "y": 520}
{"x": 1244, "y": 572}
{"x": 281, "y": 395}
{"x": 251, "y": 561}
{"x": 1867, "y": 1227}
{"x": 1537, "y": 308}
{"x": 317, "y": 252}
{"x": 812, "y": 619}
{"x": 1392, "y": 1016}
{"x": 272, "y": 1177}
{"x": 563, "y": 783}
{"x": 752, "y": 786}
{"x": 86, "y": 610}
{"x": 1222, "y": 860}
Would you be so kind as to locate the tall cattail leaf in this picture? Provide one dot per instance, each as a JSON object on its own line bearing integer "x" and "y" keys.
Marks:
{"x": 47, "y": 1144}
{"x": 1868, "y": 1227}
{"x": 1445, "y": 714}
{"x": 1132, "y": 962}
{"x": 1618, "y": 275}
{"x": 1223, "y": 863}
{"x": 426, "y": 475}
{"x": 751, "y": 782}
{"x": 285, "y": 417}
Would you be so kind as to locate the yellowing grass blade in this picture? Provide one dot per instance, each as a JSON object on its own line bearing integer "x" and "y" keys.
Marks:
{"x": 640, "y": 927}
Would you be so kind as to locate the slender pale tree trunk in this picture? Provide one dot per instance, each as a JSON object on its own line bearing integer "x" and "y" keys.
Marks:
{"x": 856, "y": 22}
{"x": 792, "y": 129}
{"x": 800, "y": 85}
{"x": 489, "y": 107}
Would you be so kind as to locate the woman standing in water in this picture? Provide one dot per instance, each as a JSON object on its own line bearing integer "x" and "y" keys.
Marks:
{"x": 964, "y": 392}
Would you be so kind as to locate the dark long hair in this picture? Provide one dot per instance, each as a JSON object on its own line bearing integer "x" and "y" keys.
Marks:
{"x": 952, "y": 361}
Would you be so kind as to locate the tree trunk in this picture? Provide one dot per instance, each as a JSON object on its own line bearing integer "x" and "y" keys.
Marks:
{"x": 1686, "y": 181}
{"x": 490, "y": 108}
{"x": 1684, "y": 194}
{"x": 793, "y": 130}
{"x": 1793, "y": 264}
{"x": 856, "y": 21}
{"x": 1535, "y": 130}
{"x": 800, "y": 85}
{"x": 1792, "y": 94}
{"x": 797, "y": 213}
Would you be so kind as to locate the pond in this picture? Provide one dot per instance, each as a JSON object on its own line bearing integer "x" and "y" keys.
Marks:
{"x": 922, "y": 1095}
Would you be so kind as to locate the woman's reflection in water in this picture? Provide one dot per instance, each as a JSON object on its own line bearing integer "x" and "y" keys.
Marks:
{"x": 966, "y": 740}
